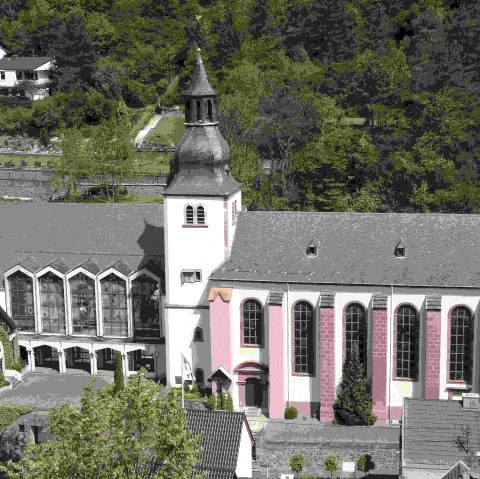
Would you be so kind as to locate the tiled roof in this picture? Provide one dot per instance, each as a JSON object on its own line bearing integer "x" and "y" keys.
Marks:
{"x": 221, "y": 433}
{"x": 355, "y": 248}
{"x": 23, "y": 63}
{"x": 94, "y": 236}
{"x": 432, "y": 427}
{"x": 7, "y": 321}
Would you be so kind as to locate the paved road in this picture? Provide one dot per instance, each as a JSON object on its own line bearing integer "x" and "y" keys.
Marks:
{"x": 46, "y": 390}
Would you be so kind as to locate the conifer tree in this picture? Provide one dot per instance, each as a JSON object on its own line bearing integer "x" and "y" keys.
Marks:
{"x": 353, "y": 406}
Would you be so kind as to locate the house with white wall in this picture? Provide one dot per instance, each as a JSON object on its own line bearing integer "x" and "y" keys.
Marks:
{"x": 26, "y": 76}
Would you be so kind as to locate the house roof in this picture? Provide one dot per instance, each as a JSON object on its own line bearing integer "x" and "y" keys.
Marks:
{"x": 355, "y": 248}
{"x": 7, "y": 321}
{"x": 431, "y": 429}
{"x": 96, "y": 237}
{"x": 221, "y": 434}
{"x": 23, "y": 63}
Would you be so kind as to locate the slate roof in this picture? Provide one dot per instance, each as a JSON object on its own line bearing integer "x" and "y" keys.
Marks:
{"x": 94, "y": 236}
{"x": 221, "y": 433}
{"x": 355, "y": 248}
{"x": 23, "y": 63}
{"x": 7, "y": 322}
{"x": 431, "y": 428}
{"x": 199, "y": 85}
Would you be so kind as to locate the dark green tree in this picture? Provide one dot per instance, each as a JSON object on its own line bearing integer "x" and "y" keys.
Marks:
{"x": 118, "y": 378}
{"x": 353, "y": 406}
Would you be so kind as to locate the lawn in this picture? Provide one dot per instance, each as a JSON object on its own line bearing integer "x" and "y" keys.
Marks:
{"x": 130, "y": 198}
{"x": 148, "y": 163}
{"x": 11, "y": 412}
{"x": 168, "y": 131}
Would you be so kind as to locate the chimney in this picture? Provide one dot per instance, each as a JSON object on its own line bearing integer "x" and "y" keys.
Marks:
{"x": 471, "y": 400}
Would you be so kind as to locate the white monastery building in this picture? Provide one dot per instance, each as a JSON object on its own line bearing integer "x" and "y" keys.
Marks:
{"x": 265, "y": 304}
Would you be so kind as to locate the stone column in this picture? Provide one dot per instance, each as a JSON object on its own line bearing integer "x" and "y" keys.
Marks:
{"x": 31, "y": 360}
{"x": 433, "y": 333}
{"x": 276, "y": 355}
{"x": 125, "y": 364}
{"x": 93, "y": 363}
{"x": 221, "y": 333}
{"x": 62, "y": 366}
{"x": 327, "y": 355}
{"x": 379, "y": 356}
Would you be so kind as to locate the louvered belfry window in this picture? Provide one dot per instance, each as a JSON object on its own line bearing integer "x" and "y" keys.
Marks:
{"x": 461, "y": 343}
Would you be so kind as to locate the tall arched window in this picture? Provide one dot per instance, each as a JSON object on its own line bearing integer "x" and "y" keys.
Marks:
{"x": 408, "y": 329}
{"x": 82, "y": 291}
{"x": 52, "y": 304}
{"x": 304, "y": 346}
{"x": 189, "y": 215}
{"x": 199, "y": 377}
{"x": 200, "y": 215}
{"x": 356, "y": 332}
{"x": 146, "y": 318}
{"x": 252, "y": 322}
{"x": 461, "y": 345}
{"x": 114, "y": 306}
{"x": 21, "y": 299}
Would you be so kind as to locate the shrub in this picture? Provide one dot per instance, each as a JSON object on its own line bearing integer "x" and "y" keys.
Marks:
{"x": 330, "y": 464}
{"x": 3, "y": 381}
{"x": 227, "y": 402}
{"x": 291, "y": 412}
{"x": 50, "y": 164}
{"x": 23, "y": 162}
{"x": 364, "y": 462}
{"x": 297, "y": 462}
{"x": 37, "y": 164}
{"x": 195, "y": 391}
{"x": 118, "y": 379}
{"x": 212, "y": 402}
{"x": 9, "y": 164}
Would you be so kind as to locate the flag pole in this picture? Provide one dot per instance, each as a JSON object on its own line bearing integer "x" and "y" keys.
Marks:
{"x": 183, "y": 392}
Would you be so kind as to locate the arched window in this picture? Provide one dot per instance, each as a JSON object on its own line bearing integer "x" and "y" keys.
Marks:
{"x": 52, "y": 304}
{"x": 356, "y": 332}
{"x": 82, "y": 292}
{"x": 199, "y": 377}
{"x": 200, "y": 215}
{"x": 461, "y": 345}
{"x": 146, "y": 317}
{"x": 304, "y": 346}
{"x": 198, "y": 334}
{"x": 252, "y": 322}
{"x": 407, "y": 343}
{"x": 21, "y": 299}
{"x": 114, "y": 306}
{"x": 189, "y": 215}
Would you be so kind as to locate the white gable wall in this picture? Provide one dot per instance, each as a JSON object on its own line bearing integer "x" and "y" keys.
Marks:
{"x": 244, "y": 461}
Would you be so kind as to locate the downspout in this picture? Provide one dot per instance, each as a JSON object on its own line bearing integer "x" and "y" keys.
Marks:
{"x": 390, "y": 359}
{"x": 289, "y": 352}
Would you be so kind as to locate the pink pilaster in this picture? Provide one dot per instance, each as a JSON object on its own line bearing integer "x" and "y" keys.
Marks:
{"x": 276, "y": 356}
{"x": 221, "y": 328}
{"x": 432, "y": 366}
{"x": 379, "y": 357}
{"x": 327, "y": 356}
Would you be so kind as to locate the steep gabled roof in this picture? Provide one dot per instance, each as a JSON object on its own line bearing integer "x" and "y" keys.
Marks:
{"x": 221, "y": 434}
{"x": 23, "y": 63}
{"x": 355, "y": 248}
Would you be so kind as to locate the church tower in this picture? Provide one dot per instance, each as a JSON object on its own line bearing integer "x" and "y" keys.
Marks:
{"x": 202, "y": 200}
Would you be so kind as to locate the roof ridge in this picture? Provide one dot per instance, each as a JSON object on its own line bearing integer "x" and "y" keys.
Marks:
{"x": 359, "y": 213}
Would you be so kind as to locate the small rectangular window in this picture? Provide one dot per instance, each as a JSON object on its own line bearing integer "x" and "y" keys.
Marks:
{"x": 2, "y": 75}
{"x": 198, "y": 276}
{"x": 191, "y": 276}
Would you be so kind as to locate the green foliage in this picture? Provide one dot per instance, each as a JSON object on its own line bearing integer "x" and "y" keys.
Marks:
{"x": 291, "y": 412}
{"x": 220, "y": 402}
{"x": 297, "y": 462}
{"x": 353, "y": 405}
{"x": 213, "y": 402}
{"x": 114, "y": 436}
{"x": 11, "y": 358}
{"x": 3, "y": 381}
{"x": 330, "y": 464}
{"x": 118, "y": 378}
{"x": 227, "y": 402}
{"x": 11, "y": 412}
{"x": 362, "y": 462}
{"x": 168, "y": 131}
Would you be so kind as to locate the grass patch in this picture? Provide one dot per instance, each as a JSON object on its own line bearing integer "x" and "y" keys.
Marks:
{"x": 10, "y": 412}
{"x": 31, "y": 159}
{"x": 168, "y": 131}
{"x": 10, "y": 200}
{"x": 354, "y": 121}
{"x": 129, "y": 198}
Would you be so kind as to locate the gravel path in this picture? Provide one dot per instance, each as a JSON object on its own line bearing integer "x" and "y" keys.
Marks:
{"x": 143, "y": 133}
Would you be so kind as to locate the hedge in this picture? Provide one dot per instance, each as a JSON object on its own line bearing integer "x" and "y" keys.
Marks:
{"x": 11, "y": 412}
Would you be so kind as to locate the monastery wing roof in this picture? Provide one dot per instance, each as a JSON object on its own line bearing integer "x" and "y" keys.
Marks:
{"x": 432, "y": 428}
{"x": 23, "y": 63}
{"x": 355, "y": 248}
{"x": 93, "y": 236}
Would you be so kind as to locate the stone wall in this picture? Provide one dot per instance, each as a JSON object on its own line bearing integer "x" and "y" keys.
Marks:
{"x": 280, "y": 439}
{"x": 34, "y": 183}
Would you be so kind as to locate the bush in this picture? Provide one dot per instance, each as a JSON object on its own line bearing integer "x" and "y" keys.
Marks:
{"x": 3, "y": 381}
{"x": 365, "y": 463}
{"x": 212, "y": 402}
{"x": 291, "y": 412}
{"x": 227, "y": 402}
{"x": 23, "y": 162}
{"x": 330, "y": 464}
{"x": 9, "y": 164}
{"x": 297, "y": 462}
{"x": 118, "y": 379}
{"x": 37, "y": 164}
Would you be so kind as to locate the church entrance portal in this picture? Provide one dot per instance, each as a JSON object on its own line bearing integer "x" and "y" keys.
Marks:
{"x": 254, "y": 393}
{"x": 46, "y": 357}
{"x": 77, "y": 358}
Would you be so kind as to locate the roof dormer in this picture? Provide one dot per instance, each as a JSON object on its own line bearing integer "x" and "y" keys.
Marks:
{"x": 312, "y": 247}
{"x": 400, "y": 249}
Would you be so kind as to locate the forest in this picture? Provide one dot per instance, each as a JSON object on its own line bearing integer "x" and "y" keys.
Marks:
{"x": 328, "y": 105}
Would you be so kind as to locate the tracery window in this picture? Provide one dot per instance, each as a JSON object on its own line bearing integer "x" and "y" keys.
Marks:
{"x": 21, "y": 300}
{"x": 461, "y": 345}
{"x": 408, "y": 330}
{"x": 304, "y": 348}
{"x": 252, "y": 322}
{"x": 146, "y": 319}
{"x": 82, "y": 292}
{"x": 114, "y": 306}
{"x": 52, "y": 305}
{"x": 356, "y": 332}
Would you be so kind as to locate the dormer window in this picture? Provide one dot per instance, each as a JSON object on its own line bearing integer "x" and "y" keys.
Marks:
{"x": 400, "y": 250}
{"x": 312, "y": 248}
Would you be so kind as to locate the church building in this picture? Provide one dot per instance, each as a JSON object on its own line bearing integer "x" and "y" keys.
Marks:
{"x": 264, "y": 304}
